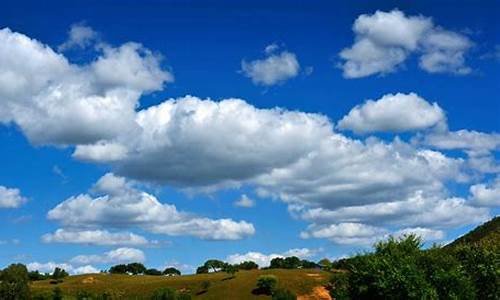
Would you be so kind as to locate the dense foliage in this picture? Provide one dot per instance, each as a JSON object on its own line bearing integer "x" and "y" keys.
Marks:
{"x": 14, "y": 283}
{"x": 400, "y": 269}
{"x": 266, "y": 284}
{"x": 291, "y": 262}
{"x": 132, "y": 268}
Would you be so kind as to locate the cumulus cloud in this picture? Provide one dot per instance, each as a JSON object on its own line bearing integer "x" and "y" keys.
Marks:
{"x": 122, "y": 205}
{"x": 463, "y": 139}
{"x": 384, "y": 40}
{"x": 79, "y": 36}
{"x": 49, "y": 267}
{"x": 96, "y": 237}
{"x": 486, "y": 194}
{"x": 275, "y": 68}
{"x": 425, "y": 233}
{"x": 40, "y": 90}
{"x": 120, "y": 255}
{"x": 190, "y": 141}
{"x": 346, "y": 233}
{"x": 245, "y": 201}
{"x": 264, "y": 260}
{"x": 417, "y": 210}
{"x": 11, "y": 198}
{"x": 393, "y": 113}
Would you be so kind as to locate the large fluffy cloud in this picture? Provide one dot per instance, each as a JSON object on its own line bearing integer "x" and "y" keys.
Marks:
{"x": 384, "y": 40}
{"x": 121, "y": 205}
{"x": 40, "y": 90}
{"x": 11, "y": 198}
{"x": 190, "y": 141}
{"x": 275, "y": 68}
{"x": 393, "y": 113}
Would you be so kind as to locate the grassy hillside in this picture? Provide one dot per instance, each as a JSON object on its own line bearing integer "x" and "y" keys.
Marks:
{"x": 140, "y": 287}
{"x": 487, "y": 235}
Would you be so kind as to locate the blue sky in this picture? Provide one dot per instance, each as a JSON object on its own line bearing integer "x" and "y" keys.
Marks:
{"x": 122, "y": 139}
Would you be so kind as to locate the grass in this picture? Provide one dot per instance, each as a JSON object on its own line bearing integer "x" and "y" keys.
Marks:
{"x": 221, "y": 285}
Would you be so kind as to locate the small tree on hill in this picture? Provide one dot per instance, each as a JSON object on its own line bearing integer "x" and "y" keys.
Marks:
{"x": 214, "y": 264}
{"x": 136, "y": 268}
{"x": 118, "y": 269}
{"x": 202, "y": 270}
{"x": 59, "y": 273}
{"x": 248, "y": 265}
{"x": 171, "y": 271}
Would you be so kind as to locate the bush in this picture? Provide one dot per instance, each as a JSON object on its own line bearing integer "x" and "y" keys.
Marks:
{"x": 14, "y": 283}
{"x": 283, "y": 294}
{"x": 340, "y": 286}
{"x": 57, "y": 294}
{"x": 164, "y": 294}
{"x": 84, "y": 295}
{"x": 266, "y": 284}
{"x": 483, "y": 267}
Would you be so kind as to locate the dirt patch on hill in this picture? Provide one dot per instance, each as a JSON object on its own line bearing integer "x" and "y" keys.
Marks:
{"x": 318, "y": 293}
{"x": 89, "y": 280}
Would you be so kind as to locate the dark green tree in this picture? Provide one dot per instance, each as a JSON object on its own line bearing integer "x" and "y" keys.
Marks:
{"x": 14, "y": 283}
{"x": 136, "y": 268}
{"x": 171, "y": 271}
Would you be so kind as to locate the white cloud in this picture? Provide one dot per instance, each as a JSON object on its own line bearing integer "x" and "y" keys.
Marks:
{"x": 123, "y": 205}
{"x": 425, "y": 233}
{"x": 120, "y": 255}
{"x": 273, "y": 69}
{"x": 96, "y": 237}
{"x": 11, "y": 198}
{"x": 393, "y": 113}
{"x": 189, "y": 141}
{"x": 264, "y": 260}
{"x": 417, "y": 210}
{"x": 346, "y": 233}
{"x": 486, "y": 195}
{"x": 56, "y": 102}
{"x": 384, "y": 40}
{"x": 80, "y": 36}
{"x": 463, "y": 139}
{"x": 49, "y": 267}
{"x": 245, "y": 201}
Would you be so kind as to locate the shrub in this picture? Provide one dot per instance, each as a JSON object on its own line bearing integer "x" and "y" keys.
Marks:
{"x": 340, "y": 286}
{"x": 184, "y": 296}
{"x": 164, "y": 294}
{"x": 266, "y": 284}
{"x": 57, "y": 294}
{"x": 14, "y": 283}
{"x": 283, "y": 294}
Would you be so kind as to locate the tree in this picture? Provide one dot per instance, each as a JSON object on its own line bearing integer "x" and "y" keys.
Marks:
{"x": 59, "y": 273}
{"x": 325, "y": 264}
{"x": 153, "y": 272}
{"x": 306, "y": 264}
{"x": 136, "y": 268}
{"x": 248, "y": 265}
{"x": 230, "y": 269}
{"x": 214, "y": 264}
{"x": 171, "y": 271}
{"x": 277, "y": 263}
{"x": 14, "y": 283}
{"x": 118, "y": 269}
{"x": 202, "y": 270}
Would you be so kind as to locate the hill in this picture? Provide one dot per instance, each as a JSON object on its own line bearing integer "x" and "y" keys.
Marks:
{"x": 301, "y": 282}
{"x": 487, "y": 235}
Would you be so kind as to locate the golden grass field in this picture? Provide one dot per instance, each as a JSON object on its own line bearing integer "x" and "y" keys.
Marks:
{"x": 302, "y": 282}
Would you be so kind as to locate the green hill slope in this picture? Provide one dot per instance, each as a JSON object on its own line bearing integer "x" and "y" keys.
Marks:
{"x": 487, "y": 235}
{"x": 141, "y": 287}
